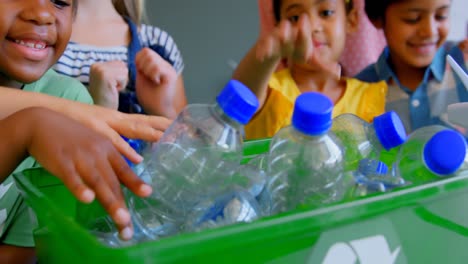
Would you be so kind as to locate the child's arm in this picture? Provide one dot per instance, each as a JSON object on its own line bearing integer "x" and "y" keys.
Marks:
{"x": 108, "y": 122}
{"x": 13, "y": 254}
{"x": 285, "y": 41}
{"x": 86, "y": 162}
{"x": 159, "y": 89}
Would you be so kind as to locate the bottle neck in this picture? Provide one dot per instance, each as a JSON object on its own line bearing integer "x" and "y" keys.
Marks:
{"x": 219, "y": 113}
{"x": 373, "y": 138}
{"x": 305, "y": 136}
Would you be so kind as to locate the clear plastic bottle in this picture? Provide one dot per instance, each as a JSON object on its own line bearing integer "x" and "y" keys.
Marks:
{"x": 430, "y": 153}
{"x": 363, "y": 140}
{"x": 189, "y": 162}
{"x": 233, "y": 206}
{"x": 374, "y": 176}
{"x": 306, "y": 159}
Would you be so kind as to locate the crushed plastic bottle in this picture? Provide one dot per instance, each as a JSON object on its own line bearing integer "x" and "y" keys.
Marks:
{"x": 237, "y": 205}
{"x": 198, "y": 156}
{"x": 374, "y": 176}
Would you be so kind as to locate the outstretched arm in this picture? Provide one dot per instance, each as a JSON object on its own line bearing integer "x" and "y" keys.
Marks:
{"x": 107, "y": 122}
{"x": 285, "y": 41}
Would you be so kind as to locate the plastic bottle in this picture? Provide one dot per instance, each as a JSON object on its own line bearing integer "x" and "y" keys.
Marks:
{"x": 365, "y": 140}
{"x": 306, "y": 159}
{"x": 233, "y": 206}
{"x": 430, "y": 153}
{"x": 190, "y": 162}
{"x": 374, "y": 176}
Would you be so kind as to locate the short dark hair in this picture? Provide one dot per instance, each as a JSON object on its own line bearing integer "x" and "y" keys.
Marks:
{"x": 375, "y": 9}
{"x": 277, "y": 8}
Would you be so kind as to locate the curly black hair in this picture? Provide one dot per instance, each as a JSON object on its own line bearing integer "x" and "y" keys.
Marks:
{"x": 375, "y": 9}
{"x": 277, "y": 8}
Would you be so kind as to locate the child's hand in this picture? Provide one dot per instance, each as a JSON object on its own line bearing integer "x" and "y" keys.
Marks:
{"x": 112, "y": 124}
{"x": 294, "y": 42}
{"x": 287, "y": 41}
{"x": 106, "y": 80}
{"x": 155, "y": 83}
{"x": 86, "y": 162}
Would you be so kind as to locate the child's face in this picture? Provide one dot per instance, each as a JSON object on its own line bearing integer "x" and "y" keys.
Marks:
{"x": 415, "y": 29}
{"x": 328, "y": 24}
{"x": 33, "y": 35}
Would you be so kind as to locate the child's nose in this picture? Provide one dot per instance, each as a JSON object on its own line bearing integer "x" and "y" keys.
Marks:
{"x": 315, "y": 23}
{"x": 428, "y": 27}
{"x": 40, "y": 12}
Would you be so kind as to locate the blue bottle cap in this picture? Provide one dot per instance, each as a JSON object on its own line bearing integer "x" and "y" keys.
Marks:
{"x": 372, "y": 167}
{"x": 237, "y": 101}
{"x": 312, "y": 113}
{"x": 390, "y": 130}
{"x": 445, "y": 152}
{"x": 381, "y": 169}
{"x": 136, "y": 144}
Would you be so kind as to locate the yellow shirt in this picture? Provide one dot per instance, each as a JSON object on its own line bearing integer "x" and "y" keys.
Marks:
{"x": 365, "y": 100}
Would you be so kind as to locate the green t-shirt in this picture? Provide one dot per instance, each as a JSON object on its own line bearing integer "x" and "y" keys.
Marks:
{"x": 17, "y": 220}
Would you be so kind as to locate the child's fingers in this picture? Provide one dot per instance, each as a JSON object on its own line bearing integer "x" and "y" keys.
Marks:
{"x": 128, "y": 178}
{"x": 304, "y": 46}
{"x": 75, "y": 184}
{"x": 142, "y": 58}
{"x": 123, "y": 147}
{"x": 145, "y": 127}
{"x": 263, "y": 48}
{"x": 107, "y": 188}
{"x": 286, "y": 35}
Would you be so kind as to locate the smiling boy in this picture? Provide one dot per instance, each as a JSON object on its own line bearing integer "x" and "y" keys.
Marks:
{"x": 421, "y": 84}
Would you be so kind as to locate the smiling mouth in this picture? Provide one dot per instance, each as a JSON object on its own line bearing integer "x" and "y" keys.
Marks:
{"x": 33, "y": 44}
{"x": 423, "y": 45}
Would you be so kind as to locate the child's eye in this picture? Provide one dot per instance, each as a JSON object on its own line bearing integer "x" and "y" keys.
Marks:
{"x": 61, "y": 4}
{"x": 411, "y": 20}
{"x": 293, "y": 19}
{"x": 441, "y": 18}
{"x": 327, "y": 13}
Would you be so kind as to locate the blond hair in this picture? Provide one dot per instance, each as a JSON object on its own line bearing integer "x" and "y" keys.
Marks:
{"x": 134, "y": 9}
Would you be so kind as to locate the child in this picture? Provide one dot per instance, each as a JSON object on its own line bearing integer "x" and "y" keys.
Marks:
{"x": 126, "y": 65}
{"x": 89, "y": 165}
{"x": 421, "y": 84}
{"x": 311, "y": 35}
{"x": 362, "y": 48}
{"x": 34, "y": 35}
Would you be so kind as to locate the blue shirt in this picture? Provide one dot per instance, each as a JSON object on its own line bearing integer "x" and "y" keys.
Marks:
{"x": 427, "y": 105}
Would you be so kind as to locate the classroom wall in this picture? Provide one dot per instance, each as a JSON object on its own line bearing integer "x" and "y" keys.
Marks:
{"x": 212, "y": 35}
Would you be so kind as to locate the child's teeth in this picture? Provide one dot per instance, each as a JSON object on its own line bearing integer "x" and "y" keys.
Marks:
{"x": 30, "y": 44}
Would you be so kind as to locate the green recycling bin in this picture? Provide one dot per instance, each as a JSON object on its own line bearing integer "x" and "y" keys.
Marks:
{"x": 421, "y": 224}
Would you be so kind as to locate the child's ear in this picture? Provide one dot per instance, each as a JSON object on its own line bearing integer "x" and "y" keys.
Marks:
{"x": 352, "y": 21}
